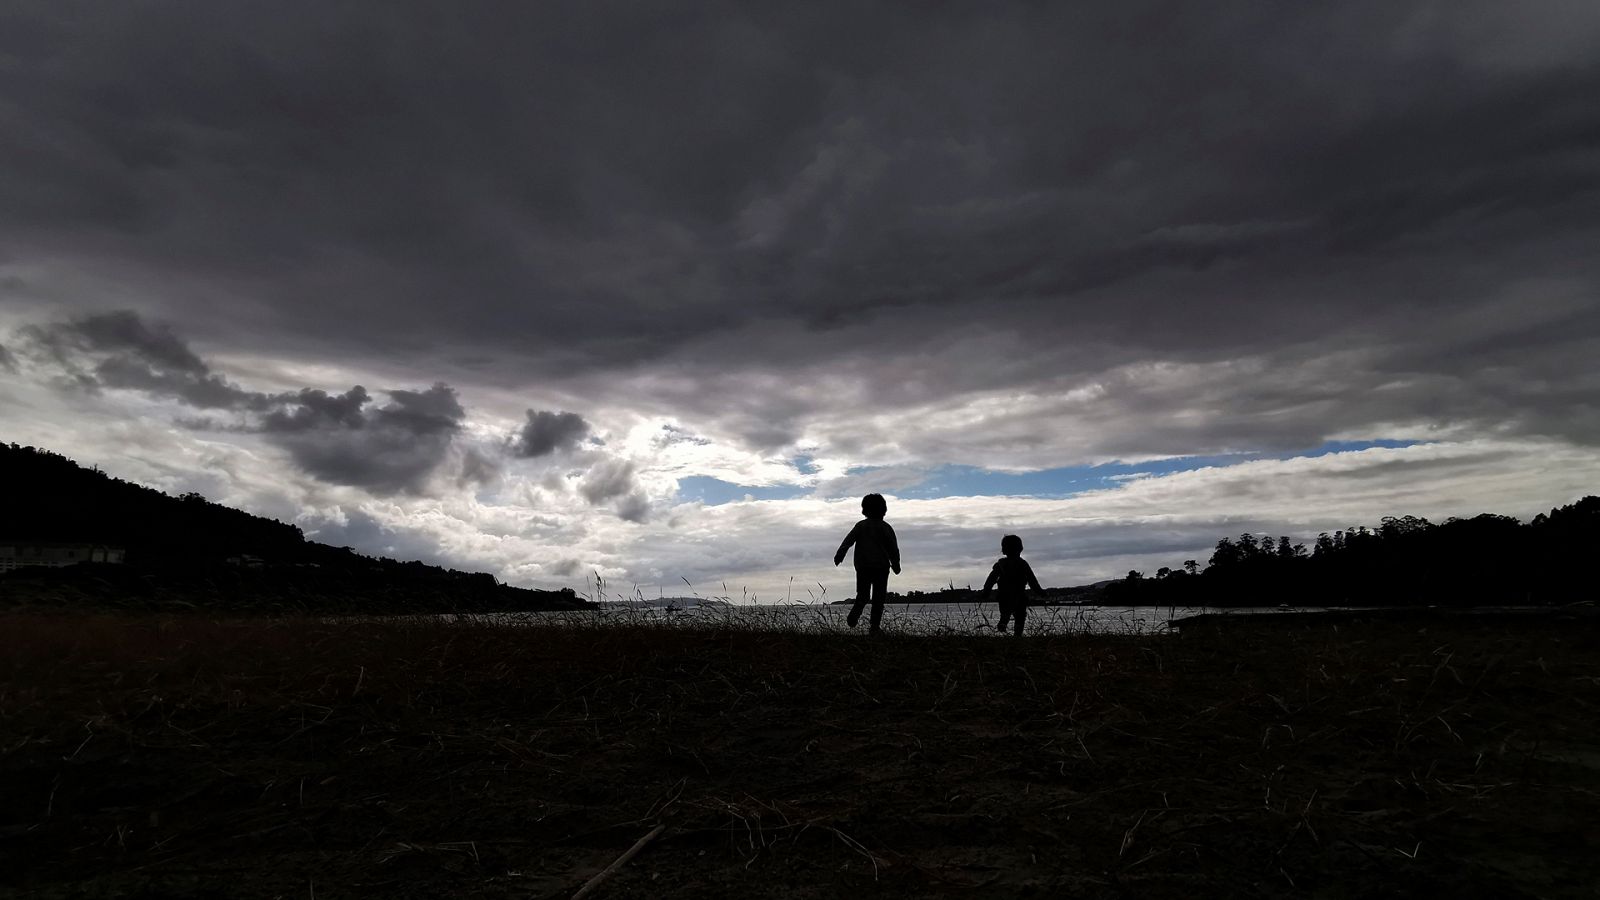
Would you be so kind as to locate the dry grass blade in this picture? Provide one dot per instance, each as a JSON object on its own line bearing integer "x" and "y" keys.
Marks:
{"x": 599, "y": 877}
{"x": 855, "y": 845}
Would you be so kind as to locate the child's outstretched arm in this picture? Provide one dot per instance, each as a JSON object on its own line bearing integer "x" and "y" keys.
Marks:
{"x": 894, "y": 549}
{"x": 845, "y": 547}
{"x": 1032, "y": 581}
{"x": 994, "y": 575}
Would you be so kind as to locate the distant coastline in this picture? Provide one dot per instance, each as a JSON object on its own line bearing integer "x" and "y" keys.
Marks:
{"x": 76, "y": 538}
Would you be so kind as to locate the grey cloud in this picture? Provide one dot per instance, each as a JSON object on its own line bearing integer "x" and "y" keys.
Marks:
{"x": 635, "y": 507}
{"x": 672, "y": 434}
{"x": 121, "y": 332}
{"x": 433, "y": 411}
{"x": 340, "y": 438}
{"x": 393, "y": 448}
{"x": 615, "y": 479}
{"x": 478, "y": 466}
{"x": 355, "y": 529}
{"x": 125, "y": 331}
{"x": 198, "y": 388}
{"x": 1419, "y": 468}
{"x": 527, "y": 188}
{"x": 313, "y": 409}
{"x": 546, "y": 432}
{"x": 850, "y": 153}
{"x": 7, "y": 361}
{"x": 887, "y": 480}
{"x": 120, "y": 349}
{"x": 564, "y": 568}
{"x": 608, "y": 478}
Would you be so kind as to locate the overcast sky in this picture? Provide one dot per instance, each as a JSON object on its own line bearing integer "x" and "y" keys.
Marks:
{"x": 658, "y": 291}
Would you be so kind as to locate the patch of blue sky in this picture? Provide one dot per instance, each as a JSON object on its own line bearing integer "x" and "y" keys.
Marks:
{"x": 1348, "y": 446}
{"x": 715, "y": 491}
{"x": 971, "y": 481}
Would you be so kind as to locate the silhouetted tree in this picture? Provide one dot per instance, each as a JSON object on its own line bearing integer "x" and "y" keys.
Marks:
{"x": 1248, "y": 548}
{"x": 1226, "y": 555}
{"x": 1407, "y": 559}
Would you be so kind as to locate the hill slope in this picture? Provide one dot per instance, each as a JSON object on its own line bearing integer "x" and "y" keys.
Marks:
{"x": 187, "y": 551}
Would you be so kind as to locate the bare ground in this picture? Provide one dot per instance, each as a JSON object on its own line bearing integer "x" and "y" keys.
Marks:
{"x": 181, "y": 757}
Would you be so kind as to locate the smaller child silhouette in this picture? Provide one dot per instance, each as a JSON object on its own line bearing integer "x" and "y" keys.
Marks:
{"x": 876, "y": 553}
{"x": 1013, "y": 574}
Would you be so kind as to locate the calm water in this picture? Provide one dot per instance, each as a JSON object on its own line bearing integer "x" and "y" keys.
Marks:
{"x": 909, "y": 618}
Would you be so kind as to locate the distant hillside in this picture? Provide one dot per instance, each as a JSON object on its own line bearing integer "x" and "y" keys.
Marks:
{"x": 51, "y": 498}
{"x": 668, "y": 603}
{"x": 186, "y": 551}
{"x": 1405, "y": 561}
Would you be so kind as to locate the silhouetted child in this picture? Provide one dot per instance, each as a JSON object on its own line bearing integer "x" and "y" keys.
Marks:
{"x": 876, "y": 553}
{"x": 1013, "y": 574}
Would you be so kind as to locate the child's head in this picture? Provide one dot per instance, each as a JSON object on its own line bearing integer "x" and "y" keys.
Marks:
{"x": 874, "y": 506}
{"x": 1011, "y": 545}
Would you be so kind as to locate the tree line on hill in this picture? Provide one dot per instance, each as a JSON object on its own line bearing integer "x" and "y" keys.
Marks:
{"x": 188, "y": 551}
{"x": 1483, "y": 560}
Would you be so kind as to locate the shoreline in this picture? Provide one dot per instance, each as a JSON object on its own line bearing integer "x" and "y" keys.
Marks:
{"x": 1280, "y": 617}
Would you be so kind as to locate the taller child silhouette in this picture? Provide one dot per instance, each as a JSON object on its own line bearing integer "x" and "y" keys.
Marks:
{"x": 876, "y": 553}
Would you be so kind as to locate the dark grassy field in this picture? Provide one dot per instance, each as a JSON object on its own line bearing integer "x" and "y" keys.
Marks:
{"x": 182, "y": 757}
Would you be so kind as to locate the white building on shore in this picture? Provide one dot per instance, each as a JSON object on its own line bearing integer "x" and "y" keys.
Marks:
{"x": 20, "y": 555}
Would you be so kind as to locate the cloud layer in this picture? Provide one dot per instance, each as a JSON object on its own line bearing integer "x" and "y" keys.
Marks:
{"x": 592, "y": 253}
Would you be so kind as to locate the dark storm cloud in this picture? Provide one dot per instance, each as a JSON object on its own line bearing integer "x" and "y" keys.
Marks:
{"x": 607, "y": 479}
{"x": 340, "y": 438}
{"x": 634, "y": 507}
{"x": 124, "y": 332}
{"x": 478, "y": 466}
{"x": 565, "y": 568}
{"x": 546, "y": 432}
{"x": 386, "y": 449}
{"x": 615, "y": 479}
{"x": 314, "y": 409}
{"x": 7, "y": 361}
{"x": 549, "y": 190}
{"x": 120, "y": 349}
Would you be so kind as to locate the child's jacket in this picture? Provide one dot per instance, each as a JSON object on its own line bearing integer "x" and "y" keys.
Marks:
{"x": 1012, "y": 573}
{"x": 876, "y": 547}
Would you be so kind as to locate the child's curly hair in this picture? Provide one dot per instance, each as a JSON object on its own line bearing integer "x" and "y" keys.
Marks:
{"x": 874, "y": 505}
{"x": 1010, "y": 544}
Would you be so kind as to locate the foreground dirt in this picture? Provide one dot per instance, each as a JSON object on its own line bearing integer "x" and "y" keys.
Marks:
{"x": 186, "y": 758}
